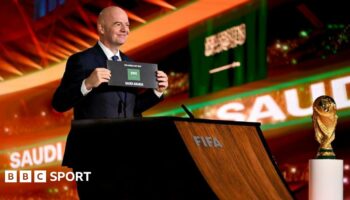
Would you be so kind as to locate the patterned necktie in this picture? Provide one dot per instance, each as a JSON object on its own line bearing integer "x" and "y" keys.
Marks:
{"x": 115, "y": 58}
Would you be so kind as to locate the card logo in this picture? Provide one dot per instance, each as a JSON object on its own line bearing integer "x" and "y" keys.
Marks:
{"x": 134, "y": 75}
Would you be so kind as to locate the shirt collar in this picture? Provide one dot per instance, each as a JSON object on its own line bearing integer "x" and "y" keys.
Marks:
{"x": 107, "y": 51}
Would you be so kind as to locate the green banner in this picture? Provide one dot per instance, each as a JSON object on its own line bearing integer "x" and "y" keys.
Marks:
{"x": 229, "y": 50}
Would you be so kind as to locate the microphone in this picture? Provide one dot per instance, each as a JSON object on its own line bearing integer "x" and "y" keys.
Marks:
{"x": 188, "y": 112}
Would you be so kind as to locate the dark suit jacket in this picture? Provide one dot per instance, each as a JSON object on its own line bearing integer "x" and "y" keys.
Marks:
{"x": 102, "y": 102}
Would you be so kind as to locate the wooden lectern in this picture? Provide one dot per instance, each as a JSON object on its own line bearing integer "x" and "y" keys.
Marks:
{"x": 177, "y": 158}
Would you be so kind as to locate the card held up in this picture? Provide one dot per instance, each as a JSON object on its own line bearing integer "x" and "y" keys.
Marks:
{"x": 132, "y": 74}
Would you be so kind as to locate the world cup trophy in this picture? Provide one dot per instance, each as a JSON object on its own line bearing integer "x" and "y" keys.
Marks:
{"x": 324, "y": 120}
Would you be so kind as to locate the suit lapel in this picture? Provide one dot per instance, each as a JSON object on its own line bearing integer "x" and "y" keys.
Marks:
{"x": 100, "y": 56}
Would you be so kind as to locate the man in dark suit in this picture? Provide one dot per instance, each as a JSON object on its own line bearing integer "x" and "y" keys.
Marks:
{"x": 84, "y": 85}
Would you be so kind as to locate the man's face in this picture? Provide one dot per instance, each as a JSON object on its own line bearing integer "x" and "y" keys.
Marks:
{"x": 116, "y": 28}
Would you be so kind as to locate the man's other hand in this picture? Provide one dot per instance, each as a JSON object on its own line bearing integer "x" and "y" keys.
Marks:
{"x": 98, "y": 76}
{"x": 162, "y": 79}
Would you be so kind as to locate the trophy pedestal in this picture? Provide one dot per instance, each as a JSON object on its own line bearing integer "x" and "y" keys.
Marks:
{"x": 325, "y": 179}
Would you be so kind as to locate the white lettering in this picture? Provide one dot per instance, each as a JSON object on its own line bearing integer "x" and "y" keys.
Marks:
{"x": 225, "y": 40}
{"x": 225, "y": 112}
{"x": 217, "y": 143}
{"x": 59, "y": 151}
{"x": 15, "y": 161}
{"x": 67, "y": 176}
{"x": 340, "y": 94}
{"x": 295, "y": 102}
{"x": 50, "y": 153}
{"x": 26, "y": 159}
{"x": 197, "y": 140}
{"x": 204, "y": 142}
{"x": 265, "y": 107}
{"x": 79, "y": 176}
{"x": 70, "y": 176}
{"x": 207, "y": 141}
{"x": 87, "y": 175}
{"x": 36, "y": 156}
{"x": 53, "y": 176}
{"x": 138, "y": 84}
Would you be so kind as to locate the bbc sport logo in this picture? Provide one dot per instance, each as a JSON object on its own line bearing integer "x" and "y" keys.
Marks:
{"x": 40, "y": 176}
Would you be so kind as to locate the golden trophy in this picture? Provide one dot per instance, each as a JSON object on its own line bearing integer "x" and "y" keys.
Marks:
{"x": 324, "y": 120}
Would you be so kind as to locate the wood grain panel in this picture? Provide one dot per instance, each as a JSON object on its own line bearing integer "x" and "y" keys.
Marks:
{"x": 241, "y": 168}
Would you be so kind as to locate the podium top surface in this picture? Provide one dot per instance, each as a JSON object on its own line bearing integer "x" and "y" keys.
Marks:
{"x": 149, "y": 119}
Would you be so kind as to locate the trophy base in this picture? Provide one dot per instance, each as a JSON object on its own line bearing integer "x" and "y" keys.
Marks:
{"x": 324, "y": 153}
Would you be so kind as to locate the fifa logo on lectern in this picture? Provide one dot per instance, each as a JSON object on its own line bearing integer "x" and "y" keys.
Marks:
{"x": 207, "y": 141}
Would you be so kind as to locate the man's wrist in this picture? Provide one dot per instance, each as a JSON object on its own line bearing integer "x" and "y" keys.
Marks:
{"x": 159, "y": 94}
{"x": 83, "y": 89}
